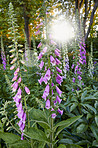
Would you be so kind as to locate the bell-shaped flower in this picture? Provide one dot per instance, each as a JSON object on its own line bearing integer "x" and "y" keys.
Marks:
{"x": 58, "y": 99}
{"x": 46, "y": 90}
{"x": 15, "y": 86}
{"x": 40, "y": 80}
{"x": 58, "y": 91}
{"x": 53, "y": 115}
{"x": 57, "y": 61}
{"x": 40, "y": 55}
{"x": 73, "y": 80}
{"x": 27, "y": 90}
{"x": 57, "y": 52}
{"x": 47, "y": 75}
{"x": 41, "y": 65}
{"x": 44, "y": 50}
{"x": 14, "y": 78}
{"x": 39, "y": 45}
{"x": 60, "y": 111}
{"x": 47, "y": 106}
{"x": 52, "y": 60}
{"x": 19, "y": 80}
{"x": 59, "y": 70}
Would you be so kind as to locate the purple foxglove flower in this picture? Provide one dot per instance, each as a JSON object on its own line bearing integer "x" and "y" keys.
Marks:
{"x": 59, "y": 70}
{"x": 24, "y": 118}
{"x": 47, "y": 90}
{"x": 19, "y": 93}
{"x": 44, "y": 50}
{"x": 40, "y": 80}
{"x": 20, "y": 114}
{"x": 76, "y": 67}
{"x": 73, "y": 57}
{"x": 72, "y": 89}
{"x": 47, "y": 104}
{"x": 27, "y": 90}
{"x": 60, "y": 111}
{"x": 52, "y": 84}
{"x": 20, "y": 123}
{"x": 72, "y": 66}
{"x": 73, "y": 80}
{"x": 15, "y": 86}
{"x": 19, "y": 107}
{"x": 79, "y": 72}
{"x": 52, "y": 42}
{"x": 22, "y": 126}
{"x": 17, "y": 70}
{"x": 57, "y": 53}
{"x": 19, "y": 80}
{"x": 39, "y": 45}
{"x": 57, "y": 50}
{"x": 53, "y": 115}
{"x": 12, "y": 67}
{"x": 13, "y": 61}
{"x": 52, "y": 109}
{"x": 79, "y": 77}
{"x": 45, "y": 80}
{"x": 53, "y": 62}
{"x": 47, "y": 75}
{"x": 55, "y": 101}
{"x": 41, "y": 65}
{"x": 14, "y": 78}
{"x": 52, "y": 92}
{"x": 57, "y": 61}
{"x": 82, "y": 83}
{"x": 44, "y": 96}
{"x": 59, "y": 79}
{"x": 58, "y": 99}
{"x": 84, "y": 61}
{"x": 78, "y": 63}
{"x": 77, "y": 88}
{"x": 22, "y": 138}
{"x": 58, "y": 91}
{"x": 40, "y": 56}
{"x": 37, "y": 32}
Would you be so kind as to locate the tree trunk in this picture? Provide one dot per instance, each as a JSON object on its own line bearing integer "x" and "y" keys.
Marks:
{"x": 27, "y": 30}
{"x": 91, "y": 19}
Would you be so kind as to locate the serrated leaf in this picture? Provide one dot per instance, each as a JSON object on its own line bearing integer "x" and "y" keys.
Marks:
{"x": 9, "y": 137}
{"x": 82, "y": 128}
{"x": 36, "y": 134}
{"x": 63, "y": 124}
{"x": 20, "y": 144}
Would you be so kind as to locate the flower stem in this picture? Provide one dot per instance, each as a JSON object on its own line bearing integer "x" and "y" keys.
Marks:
{"x": 51, "y": 134}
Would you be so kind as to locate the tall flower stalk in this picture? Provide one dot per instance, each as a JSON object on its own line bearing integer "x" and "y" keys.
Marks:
{"x": 51, "y": 76}
{"x": 16, "y": 62}
{"x": 3, "y": 54}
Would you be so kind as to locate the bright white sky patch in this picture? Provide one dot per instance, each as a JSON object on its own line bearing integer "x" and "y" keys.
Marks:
{"x": 62, "y": 30}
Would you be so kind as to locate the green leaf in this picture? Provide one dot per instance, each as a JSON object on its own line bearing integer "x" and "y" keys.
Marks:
{"x": 73, "y": 146}
{"x": 83, "y": 142}
{"x": 96, "y": 119}
{"x": 95, "y": 143}
{"x": 20, "y": 144}
{"x": 82, "y": 128}
{"x": 37, "y": 115}
{"x": 65, "y": 123}
{"x": 66, "y": 141}
{"x": 74, "y": 105}
{"x": 9, "y": 137}
{"x": 94, "y": 130}
{"x": 90, "y": 107}
{"x": 61, "y": 146}
{"x": 36, "y": 134}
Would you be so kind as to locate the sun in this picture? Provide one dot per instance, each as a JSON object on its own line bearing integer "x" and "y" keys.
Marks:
{"x": 62, "y": 30}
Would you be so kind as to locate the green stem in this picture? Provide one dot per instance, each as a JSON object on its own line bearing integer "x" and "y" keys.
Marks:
{"x": 27, "y": 112}
{"x": 51, "y": 134}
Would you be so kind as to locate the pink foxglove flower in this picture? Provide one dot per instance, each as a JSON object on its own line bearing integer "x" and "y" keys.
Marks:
{"x": 14, "y": 78}
{"x": 57, "y": 61}
{"x": 39, "y": 45}
{"x": 53, "y": 62}
{"x": 19, "y": 80}
{"x": 79, "y": 77}
{"x": 41, "y": 65}
{"x": 57, "y": 53}
{"x": 12, "y": 67}
{"x": 27, "y": 90}
{"x": 53, "y": 115}
{"x": 47, "y": 104}
{"x": 58, "y": 91}
{"x": 40, "y": 56}
{"x": 40, "y": 80}
{"x": 58, "y": 99}
{"x": 44, "y": 50}
{"x": 59, "y": 79}
{"x": 59, "y": 70}
{"x": 15, "y": 86}
{"x": 60, "y": 111}
{"x": 37, "y": 32}
{"x": 73, "y": 80}
{"x": 47, "y": 90}
{"x": 47, "y": 75}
